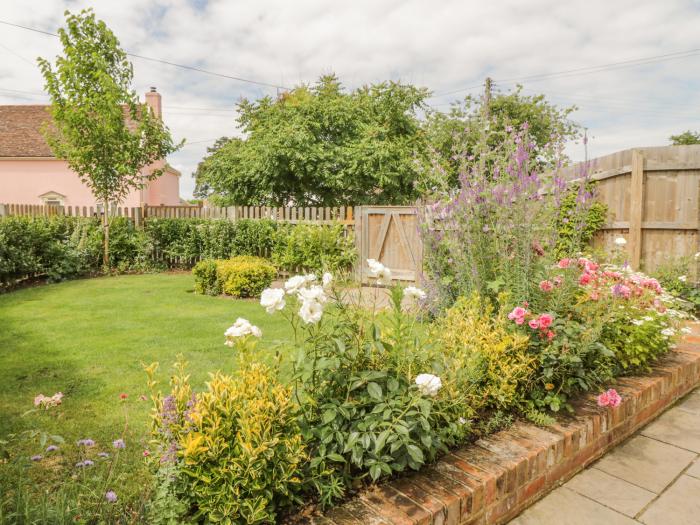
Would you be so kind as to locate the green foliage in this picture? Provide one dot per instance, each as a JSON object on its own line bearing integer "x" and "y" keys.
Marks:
{"x": 685, "y": 138}
{"x": 320, "y": 145}
{"x": 206, "y": 280}
{"x": 98, "y": 125}
{"x": 678, "y": 276}
{"x": 244, "y": 276}
{"x": 315, "y": 248}
{"x": 486, "y": 361}
{"x": 636, "y": 337}
{"x": 576, "y": 222}
{"x": 457, "y": 134}
{"x": 57, "y": 248}
{"x": 236, "y": 446}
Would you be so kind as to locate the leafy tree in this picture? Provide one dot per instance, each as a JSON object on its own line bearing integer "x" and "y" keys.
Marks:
{"x": 320, "y": 145}
{"x": 685, "y": 138}
{"x": 459, "y": 134}
{"x": 99, "y": 127}
{"x": 206, "y": 166}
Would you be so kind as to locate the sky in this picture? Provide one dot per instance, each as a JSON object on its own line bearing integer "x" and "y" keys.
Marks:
{"x": 448, "y": 46}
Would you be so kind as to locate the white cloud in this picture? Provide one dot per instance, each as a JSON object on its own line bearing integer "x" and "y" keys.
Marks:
{"x": 442, "y": 45}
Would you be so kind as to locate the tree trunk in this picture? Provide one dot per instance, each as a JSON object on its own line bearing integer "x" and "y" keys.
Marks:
{"x": 105, "y": 229}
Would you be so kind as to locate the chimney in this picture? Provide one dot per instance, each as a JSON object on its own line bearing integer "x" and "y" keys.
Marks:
{"x": 153, "y": 101}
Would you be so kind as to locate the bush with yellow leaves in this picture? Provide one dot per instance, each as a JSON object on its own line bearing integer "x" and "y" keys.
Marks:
{"x": 235, "y": 448}
{"x": 482, "y": 358}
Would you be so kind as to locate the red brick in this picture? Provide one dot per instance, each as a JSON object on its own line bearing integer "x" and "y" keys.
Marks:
{"x": 395, "y": 507}
{"x": 449, "y": 467}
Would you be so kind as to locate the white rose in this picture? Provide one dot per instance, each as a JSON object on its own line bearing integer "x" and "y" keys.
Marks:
{"x": 413, "y": 292}
{"x": 309, "y": 278}
{"x": 240, "y": 328}
{"x": 313, "y": 293}
{"x": 326, "y": 280}
{"x": 682, "y": 278}
{"x": 311, "y": 312}
{"x": 384, "y": 276}
{"x": 374, "y": 267}
{"x": 620, "y": 241}
{"x": 293, "y": 284}
{"x": 428, "y": 384}
{"x": 272, "y": 299}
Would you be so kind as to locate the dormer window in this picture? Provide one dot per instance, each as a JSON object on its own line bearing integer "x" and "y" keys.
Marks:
{"x": 53, "y": 198}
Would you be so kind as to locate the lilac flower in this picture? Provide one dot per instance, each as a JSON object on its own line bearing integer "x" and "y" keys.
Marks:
{"x": 119, "y": 443}
{"x": 111, "y": 496}
{"x": 85, "y": 463}
{"x": 85, "y": 443}
{"x": 51, "y": 448}
{"x": 103, "y": 454}
{"x": 37, "y": 457}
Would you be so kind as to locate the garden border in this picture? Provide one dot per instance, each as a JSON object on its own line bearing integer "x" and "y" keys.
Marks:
{"x": 496, "y": 478}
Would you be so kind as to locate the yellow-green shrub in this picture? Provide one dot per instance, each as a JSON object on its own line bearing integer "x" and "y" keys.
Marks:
{"x": 244, "y": 276}
{"x": 236, "y": 447}
{"x": 486, "y": 361}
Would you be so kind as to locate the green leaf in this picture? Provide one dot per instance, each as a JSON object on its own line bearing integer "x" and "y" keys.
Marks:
{"x": 415, "y": 453}
{"x": 381, "y": 440}
{"x": 336, "y": 457}
{"x": 374, "y": 390}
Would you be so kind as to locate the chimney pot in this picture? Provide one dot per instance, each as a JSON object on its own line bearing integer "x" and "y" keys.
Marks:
{"x": 153, "y": 89}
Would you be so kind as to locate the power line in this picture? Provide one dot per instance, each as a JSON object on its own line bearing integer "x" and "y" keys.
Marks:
{"x": 166, "y": 62}
{"x": 587, "y": 70}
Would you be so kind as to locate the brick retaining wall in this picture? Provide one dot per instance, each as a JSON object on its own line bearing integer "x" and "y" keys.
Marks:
{"x": 495, "y": 479}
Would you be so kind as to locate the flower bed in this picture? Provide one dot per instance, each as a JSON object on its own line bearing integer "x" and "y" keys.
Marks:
{"x": 374, "y": 393}
{"x": 499, "y": 476}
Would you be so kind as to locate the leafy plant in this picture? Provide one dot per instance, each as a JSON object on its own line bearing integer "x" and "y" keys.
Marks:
{"x": 305, "y": 247}
{"x": 236, "y": 447}
{"x": 244, "y": 276}
{"x": 206, "y": 280}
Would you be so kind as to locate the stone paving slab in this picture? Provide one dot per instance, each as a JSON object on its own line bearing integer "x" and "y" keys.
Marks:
{"x": 566, "y": 507}
{"x": 676, "y": 427}
{"x": 647, "y": 480}
{"x": 610, "y": 491}
{"x": 679, "y": 505}
{"x": 646, "y": 463}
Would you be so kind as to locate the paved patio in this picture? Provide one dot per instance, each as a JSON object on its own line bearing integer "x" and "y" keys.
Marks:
{"x": 653, "y": 478}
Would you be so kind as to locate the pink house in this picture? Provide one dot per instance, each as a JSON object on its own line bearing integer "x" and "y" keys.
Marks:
{"x": 30, "y": 174}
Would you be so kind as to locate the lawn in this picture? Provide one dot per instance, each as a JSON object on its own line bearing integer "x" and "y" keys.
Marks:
{"x": 89, "y": 338}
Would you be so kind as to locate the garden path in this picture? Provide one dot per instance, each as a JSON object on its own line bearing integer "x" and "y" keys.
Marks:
{"x": 653, "y": 478}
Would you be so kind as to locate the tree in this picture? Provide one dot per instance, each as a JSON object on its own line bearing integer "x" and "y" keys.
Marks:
{"x": 98, "y": 124}
{"x": 204, "y": 169}
{"x": 459, "y": 132}
{"x": 322, "y": 146}
{"x": 685, "y": 138}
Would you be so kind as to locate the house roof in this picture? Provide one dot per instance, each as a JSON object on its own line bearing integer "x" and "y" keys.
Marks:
{"x": 20, "y": 131}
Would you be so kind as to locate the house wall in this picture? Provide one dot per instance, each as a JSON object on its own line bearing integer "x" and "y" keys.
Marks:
{"x": 22, "y": 181}
{"x": 163, "y": 190}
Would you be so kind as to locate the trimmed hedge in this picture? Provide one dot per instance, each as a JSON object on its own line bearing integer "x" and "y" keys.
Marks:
{"x": 56, "y": 248}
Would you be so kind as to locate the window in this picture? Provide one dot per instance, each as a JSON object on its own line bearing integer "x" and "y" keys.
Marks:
{"x": 53, "y": 198}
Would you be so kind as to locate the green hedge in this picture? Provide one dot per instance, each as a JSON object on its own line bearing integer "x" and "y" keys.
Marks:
{"x": 58, "y": 248}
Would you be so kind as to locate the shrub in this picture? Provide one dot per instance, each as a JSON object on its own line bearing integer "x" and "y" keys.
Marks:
{"x": 487, "y": 360}
{"x": 206, "y": 280}
{"x": 244, "y": 276}
{"x": 307, "y": 247}
{"x": 577, "y": 220}
{"x": 236, "y": 447}
{"x": 679, "y": 276}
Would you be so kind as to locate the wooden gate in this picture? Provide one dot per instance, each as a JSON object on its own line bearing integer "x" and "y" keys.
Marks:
{"x": 390, "y": 235}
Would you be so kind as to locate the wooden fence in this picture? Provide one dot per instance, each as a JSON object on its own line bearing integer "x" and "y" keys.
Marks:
{"x": 652, "y": 196}
{"x": 311, "y": 214}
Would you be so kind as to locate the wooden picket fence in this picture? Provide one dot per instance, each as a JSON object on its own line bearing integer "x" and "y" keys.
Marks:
{"x": 293, "y": 215}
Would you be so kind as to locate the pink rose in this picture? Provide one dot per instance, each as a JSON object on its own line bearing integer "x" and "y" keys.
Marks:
{"x": 520, "y": 320}
{"x": 534, "y": 324}
{"x": 603, "y": 399}
{"x": 546, "y": 286}
{"x": 614, "y": 399}
{"x": 550, "y": 335}
{"x": 564, "y": 263}
{"x": 585, "y": 279}
{"x": 545, "y": 320}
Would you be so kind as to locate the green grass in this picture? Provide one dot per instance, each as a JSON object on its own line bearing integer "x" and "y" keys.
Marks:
{"x": 88, "y": 339}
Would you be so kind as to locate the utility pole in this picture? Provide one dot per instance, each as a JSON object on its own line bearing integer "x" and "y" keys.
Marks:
{"x": 488, "y": 84}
